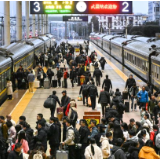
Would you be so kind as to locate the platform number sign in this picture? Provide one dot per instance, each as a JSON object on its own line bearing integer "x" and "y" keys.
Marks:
{"x": 81, "y": 7}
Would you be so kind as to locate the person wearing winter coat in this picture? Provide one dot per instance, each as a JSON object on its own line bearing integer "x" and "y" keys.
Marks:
{"x": 70, "y": 136}
{"x": 41, "y": 136}
{"x": 4, "y": 128}
{"x": 130, "y": 81}
{"x": 144, "y": 134}
{"x": 105, "y": 146}
{"x": 93, "y": 151}
{"x": 65, "y": 100}
{"x": 102, "y": 61}
{"x": 50, "y": 74}
{"x": 72, "y": 76}
{"x": 133, "y": 93}
{"x": 9, "y": 89}
{"x": 16, "y": 153}
{"x": 29, "y": 134}
{"x": 146, "y": 121}
{"x": 133, "y": 150}
{"x": 104, "y": 100}
{"x": 156, "y": 112}
{"x": 41, "y": 76}
{"x": 22, "y": 139}
{"x": 98, "y": 74}
{"x": 94, "y": 131}
{"x": 124, "y": 128}
{"x": 84, "y": 133}
{"x": 143, "y": 97}
{"x": 107, "y": 82}
{"x": 11, "y": 131}
{"x": 46, "y": 59}
{"x": 148, "y": 152}
{"x": 53, "y": 136}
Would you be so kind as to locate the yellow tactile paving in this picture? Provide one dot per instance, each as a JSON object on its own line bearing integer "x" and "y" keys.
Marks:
{"x": 22, "y": 104}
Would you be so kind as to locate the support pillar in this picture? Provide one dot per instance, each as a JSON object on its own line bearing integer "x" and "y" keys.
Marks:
{"x": 33, "y": 25}
{"x": 38, "y": 23}
{"x": 7, "y": 23}
{"x": 18, "y": 20}
{"x": 27, "y": 19}
{"x": 47, "y": 30}
{"x": 42, "y": 27}
{"x": 44, "y": 22}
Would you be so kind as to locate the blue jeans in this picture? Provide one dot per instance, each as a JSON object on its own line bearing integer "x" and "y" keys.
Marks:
{"x": 132, "y": 99}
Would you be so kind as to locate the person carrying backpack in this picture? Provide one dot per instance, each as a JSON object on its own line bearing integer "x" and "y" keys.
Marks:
{"x": 71, "y": 111}
{"x": 84, "y": 91}
{"x": 92, "y": 94}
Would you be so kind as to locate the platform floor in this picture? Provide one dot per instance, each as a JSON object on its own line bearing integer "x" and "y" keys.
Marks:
{"x": 32, "y": 103}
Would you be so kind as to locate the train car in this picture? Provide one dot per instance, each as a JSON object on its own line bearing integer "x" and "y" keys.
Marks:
{"x": 100, "y": 40}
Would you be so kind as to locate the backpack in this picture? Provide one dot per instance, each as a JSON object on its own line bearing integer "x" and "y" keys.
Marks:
{"x": 77, "y": 136}
{"x": 157, "y": 140}
{"x": 74, "y": 115}
{"x": 113, "y": 155}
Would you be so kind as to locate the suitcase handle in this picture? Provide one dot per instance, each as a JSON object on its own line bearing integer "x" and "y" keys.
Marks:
{"x": 61, "y": 146}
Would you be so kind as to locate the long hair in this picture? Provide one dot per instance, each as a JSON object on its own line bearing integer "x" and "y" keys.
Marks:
{"x": 92, "y": 141}
{"x": 21, "y": 136}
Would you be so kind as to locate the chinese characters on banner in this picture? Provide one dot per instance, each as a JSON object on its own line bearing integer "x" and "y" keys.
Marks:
{"x": 104, "y": 6}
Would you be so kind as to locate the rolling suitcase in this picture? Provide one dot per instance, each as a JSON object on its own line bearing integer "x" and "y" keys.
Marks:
{"x": 36, "y": 84}
{"x": 46, "y": 84}
{"x": 127, "y": 106}
{"x": 62, "y": 154}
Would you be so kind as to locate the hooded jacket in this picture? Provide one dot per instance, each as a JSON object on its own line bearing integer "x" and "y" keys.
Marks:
{"x": 88, "y": 153}
{"x": 105, "y": 147}
{"x": 133, "y": 152}
{"x": 72, "y": 105}
{"x": 148, "y": 153}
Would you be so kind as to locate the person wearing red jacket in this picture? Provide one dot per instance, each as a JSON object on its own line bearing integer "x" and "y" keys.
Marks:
{"x": 153, "y": 135}
{"x": 65, "y": 76}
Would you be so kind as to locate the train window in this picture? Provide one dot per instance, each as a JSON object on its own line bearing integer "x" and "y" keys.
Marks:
{"x": 157, "y": 73}
{"x": 3, "y": 85}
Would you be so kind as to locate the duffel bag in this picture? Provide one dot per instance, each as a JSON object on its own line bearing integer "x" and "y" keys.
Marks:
{"x": 49, "y": 103}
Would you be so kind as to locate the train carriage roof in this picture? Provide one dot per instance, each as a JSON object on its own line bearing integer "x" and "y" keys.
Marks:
{"x": 44, "y": 38}
{"x": 37, "y": 42}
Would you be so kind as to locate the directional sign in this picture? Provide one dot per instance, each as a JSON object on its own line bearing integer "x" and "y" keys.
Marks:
{"x": 81, "y": 7}
{"x": 75, "y": 18}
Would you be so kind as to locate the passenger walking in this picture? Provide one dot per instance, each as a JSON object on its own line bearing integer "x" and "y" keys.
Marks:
{"x": 70, "y": 136}
{"x": 133, "y": 94}
{"x": 93, "y": 93}
{"x": 65, "y": 100}
{"x": 59, "y": 76}
{"x": 143, "y": 97}
{"x": 98, "y": 74}
{"x": 56, "y": 100}
{"x": 94, "y": 131}
{"x": 104, "y": 100}
{"x": 102, "y": 61}
{"x": 65, "y": 76}
{"x": 107, "y": 82}
{"x": 9, "y": 89}
{"x": 72, "y": 76}
{"x": 130, "y": 81}
{"x": 42, "y": 59}
{"x": 31, "y": 78}
{"x": 41, "y": 76}
{"x": 46, "y": 59}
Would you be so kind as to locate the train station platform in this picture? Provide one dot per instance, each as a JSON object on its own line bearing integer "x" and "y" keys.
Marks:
{"x": 30, "y": 104}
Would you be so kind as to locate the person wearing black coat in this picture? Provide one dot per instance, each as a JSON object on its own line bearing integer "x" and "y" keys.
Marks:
{"x": 41, "y": 76}
{"x": 65, "y": 100}
{"x": 104, "y": 99}
{"x": 29, "y": 134}
{"x": 53, "y": 137}
{"x": 42, "y": 59}
{"x": 40, "y": 119}
{"x": 50, "y": 74}
{"x": 16, "y": 153}
{"x": 102, "y": 62}
{"x": 156, "y": 111}
{"x": 59, "y": 76}
{"x": 84, "y": 133}
{"x": 64, "y": 127}
{"x": 117, "y": 150}
{"x": 133, "y": 150}
{"x": 84, "y": 91}
{"x": 56, "y": 100}
{"x": 107, "y": 82}
{"x": 130, "y": 81}
{"x": 41, "y": 136}
{"x": 19, "y": 76}
{"x": 118, "y": 133}
{"x": 97, "y": 73}
{"x": 101, "y": 132}
{"x": 111, "y": 112}
{"x": 72, "y": 76}
{"x": 92, "y": 94}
